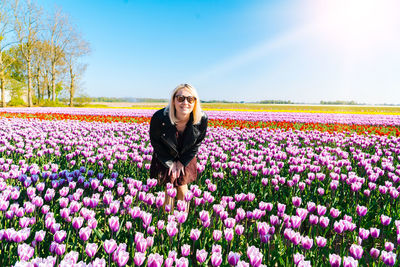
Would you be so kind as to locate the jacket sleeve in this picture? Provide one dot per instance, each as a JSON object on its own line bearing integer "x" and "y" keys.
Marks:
{"x": 155, "y": 139}
{"x": 188, "y": 155}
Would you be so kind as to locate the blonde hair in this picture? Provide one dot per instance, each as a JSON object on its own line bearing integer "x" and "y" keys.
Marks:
{"x": 197, "y": 112}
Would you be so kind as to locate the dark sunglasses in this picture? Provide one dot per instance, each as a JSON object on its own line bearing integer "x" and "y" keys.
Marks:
{"x": 181, "y": 98}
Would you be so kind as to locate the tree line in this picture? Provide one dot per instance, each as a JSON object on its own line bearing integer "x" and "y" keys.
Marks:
{"x": 40, "y": 54}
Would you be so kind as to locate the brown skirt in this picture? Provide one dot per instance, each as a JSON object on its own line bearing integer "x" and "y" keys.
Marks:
{"x": 160, "y": 172}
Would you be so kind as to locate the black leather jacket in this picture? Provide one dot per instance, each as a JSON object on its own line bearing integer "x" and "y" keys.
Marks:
{"x": 163, "y": 138}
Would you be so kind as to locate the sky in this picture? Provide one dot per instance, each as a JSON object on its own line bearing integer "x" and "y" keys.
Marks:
{"x": 304, "y": 51}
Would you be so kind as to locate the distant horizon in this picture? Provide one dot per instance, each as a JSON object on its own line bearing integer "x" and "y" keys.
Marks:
{"x": 154, "y": 100}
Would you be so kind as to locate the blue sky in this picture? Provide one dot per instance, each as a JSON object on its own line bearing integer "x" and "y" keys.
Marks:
{"x": 303, "y": 51}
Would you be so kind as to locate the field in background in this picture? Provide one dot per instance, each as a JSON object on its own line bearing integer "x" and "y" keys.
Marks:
{"x": 390, "y": 110}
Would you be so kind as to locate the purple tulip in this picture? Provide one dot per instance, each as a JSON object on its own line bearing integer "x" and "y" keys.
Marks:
{"x": 349, "y": 262}
{"x": 297, "y": 258}
{"x": 356, "y": 251}
{"x": 39, "y": 236}
{"x": 374, "y": 253}
{"x": 122, "y": 258}
{"x": 296, "y": 221}
{"x": 363, "y": 233}
{"x": 385, "y": 220}
{"x": 182, "y": 262}
{"x": 324, "y": 221}
{"x": 216, "y": 259}
{"x": 239, "y": 229}
{"x": 307, "y": 242}
{"x": 201, "y": 255}
{"x": 172, "y": 229}
{"x": 281, "y": 208}
{"x": 91, "y": 249}
{"x": 311, "y": 207}
{"x": 313, "y": 219}
{"x": 389, "y": 246}
{"x": 321, "y": 241}
{"x": 169, "y": 262}
{"x": 60, "y": 249}
{"x": 84, "y": 233}
{"x": 255, "y": 256}
{"x": 321, "y": 210}
{"x": 185, "y": 250}
{"x": 141, "y": 245}
{"x": 228, "y": 232}
{"x": 113, "y": 222}
{"x": 361, "y": 210}
{"x": 233, "y": 258}
{"x": 217, "y": 234}
{"x": 296, "y": 201}
{"x": 60, "y": 236}
{"x": 25, "y": 252}
{"x": 388, "y": 258}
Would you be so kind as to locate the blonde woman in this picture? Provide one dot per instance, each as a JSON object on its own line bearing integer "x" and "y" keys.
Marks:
{"x": 176, "y": 133}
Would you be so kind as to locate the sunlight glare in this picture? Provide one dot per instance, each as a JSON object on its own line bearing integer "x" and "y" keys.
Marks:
{"x": 356, "y": 26}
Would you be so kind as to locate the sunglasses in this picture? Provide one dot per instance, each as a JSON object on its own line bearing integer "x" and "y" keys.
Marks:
{"x": 181, "y": 98}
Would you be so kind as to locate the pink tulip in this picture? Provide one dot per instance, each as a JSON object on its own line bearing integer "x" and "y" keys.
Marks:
{"x": 155, "y": 260}
{"x": 113, "y": 222}
{"x": 194, "y": 234}
{"x": 182, "y": 262}
{"x": 122, "y": 258}
{"x": 139, "y": 258}
{"x": 239, "y": 229}
{"x": 321, "y": 241}
{"x": 109, "y": 246}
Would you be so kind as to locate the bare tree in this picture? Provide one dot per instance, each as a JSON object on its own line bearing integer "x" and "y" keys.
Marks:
{"x": 40, "y": 65}
{"x": 76, "y": 49}
{"x": 6, "y": 30}
{"x": 59, "y": 38}
{"x": 27, "y": 27}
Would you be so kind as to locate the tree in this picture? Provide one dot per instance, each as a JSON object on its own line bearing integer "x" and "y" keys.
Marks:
{"x": 27, "y": 27}
{"x": 77, "y": 47}
{"x": 59, "y": 38}
{"x": 6, "y": 31}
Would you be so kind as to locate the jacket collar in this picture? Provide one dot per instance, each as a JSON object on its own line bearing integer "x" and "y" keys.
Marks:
{"x": 190, "y": 134}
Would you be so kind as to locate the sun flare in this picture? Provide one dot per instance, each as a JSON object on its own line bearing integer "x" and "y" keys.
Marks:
{"x": 356, "y": 25}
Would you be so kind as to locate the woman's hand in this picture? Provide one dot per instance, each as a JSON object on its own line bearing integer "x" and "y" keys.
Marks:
{"x": 172, "y": 170}
{"x": 180, "y": 168}
{"x": 176, "y": 169}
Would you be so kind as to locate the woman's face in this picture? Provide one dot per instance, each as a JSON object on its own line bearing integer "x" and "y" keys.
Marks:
{"x": 184, "y": 108}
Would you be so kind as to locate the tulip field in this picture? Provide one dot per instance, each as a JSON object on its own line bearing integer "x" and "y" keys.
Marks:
{"x": 274, "y": 189}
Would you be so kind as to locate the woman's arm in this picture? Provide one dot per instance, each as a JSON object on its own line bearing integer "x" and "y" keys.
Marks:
{"x": 188, "y": 155}
{"x": 159, "y": 148}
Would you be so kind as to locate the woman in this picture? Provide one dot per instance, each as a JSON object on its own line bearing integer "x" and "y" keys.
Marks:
{"x": 176, "y": 133}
